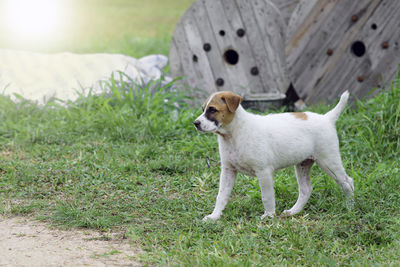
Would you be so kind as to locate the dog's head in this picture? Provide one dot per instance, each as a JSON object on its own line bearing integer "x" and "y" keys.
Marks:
{"x": 218, "y": 111}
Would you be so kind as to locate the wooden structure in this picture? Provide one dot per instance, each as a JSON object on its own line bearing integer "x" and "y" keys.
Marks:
{"x": 338, "y": 45}
{"x": 330, "y": 46}
{"x": 286, "y": 7}
{"x": 232, "y": 45}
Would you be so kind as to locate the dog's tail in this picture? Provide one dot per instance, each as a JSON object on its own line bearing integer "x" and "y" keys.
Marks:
{"x": 334, "y": 114}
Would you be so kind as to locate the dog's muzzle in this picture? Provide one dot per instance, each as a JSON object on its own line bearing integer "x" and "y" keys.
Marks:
{"x": 197, "y": 124}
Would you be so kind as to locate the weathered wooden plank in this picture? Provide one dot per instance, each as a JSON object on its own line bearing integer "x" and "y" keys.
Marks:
{"x": 194, "y": 41}
{"x": 378, "y": 66}
{"x": 272, "y": 28}
{"x": 247, "y": 57}
{"x": 184, "y": 51}
{"x": 256, "y": 42}
{"x": 214, "y": 61}
{"x": 301, "y": 20}
{"x": 286, "y": 7}
{"x": 324, "y": 41}
{"x": 175, "y": 66}
{"x": 324, "y": 34}
{"x": 244, "y": 46}
{"x": 236, "y": 72}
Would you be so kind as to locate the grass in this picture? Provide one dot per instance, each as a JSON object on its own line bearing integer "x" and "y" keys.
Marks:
{"x": 126, "y": 160}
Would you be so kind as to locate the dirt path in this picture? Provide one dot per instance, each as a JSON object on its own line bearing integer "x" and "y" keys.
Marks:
{"x": 25, "y": 242}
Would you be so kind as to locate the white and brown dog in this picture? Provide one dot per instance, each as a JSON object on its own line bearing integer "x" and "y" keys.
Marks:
{"x": 258, "y": 145}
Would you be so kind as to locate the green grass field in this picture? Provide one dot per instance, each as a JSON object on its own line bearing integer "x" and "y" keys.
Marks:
{"x": 127, "y": 162}
{"x": 131, "y": 162}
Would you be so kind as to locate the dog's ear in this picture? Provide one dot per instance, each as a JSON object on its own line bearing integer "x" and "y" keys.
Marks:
{"x": 231, "y": 100}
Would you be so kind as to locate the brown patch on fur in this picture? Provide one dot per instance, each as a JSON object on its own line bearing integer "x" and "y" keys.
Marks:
{"x": 221, "y": 134}
{"x": 300, "y": 115}
{"x": 232, "y": 100}
{"x": 226, "y": 104}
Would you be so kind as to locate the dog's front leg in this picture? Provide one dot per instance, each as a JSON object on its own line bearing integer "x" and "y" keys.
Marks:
{"x": 226, "y": 182}
{"x": 265, "y": 179}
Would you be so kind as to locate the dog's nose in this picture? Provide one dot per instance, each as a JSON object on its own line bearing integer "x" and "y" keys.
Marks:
{"x": 197, "y": 124}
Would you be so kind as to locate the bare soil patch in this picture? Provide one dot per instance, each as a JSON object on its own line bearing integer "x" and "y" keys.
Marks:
{"x": 26, "y": 242}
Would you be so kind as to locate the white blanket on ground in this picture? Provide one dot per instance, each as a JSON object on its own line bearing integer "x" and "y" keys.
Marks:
{"x": 43, "y": 77}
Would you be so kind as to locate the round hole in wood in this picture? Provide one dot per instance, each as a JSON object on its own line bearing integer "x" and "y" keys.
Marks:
{"x": 207, "y": 47}
{"x": 220, "y": 82}
{"x": 358, "y": 48}
{"x": 374, "y": 26}
{"x": 254, "y": 71}
{"x": 240, "y": 32}
{"x": 222, "y": 32}
{"x": 195, "y": 58}
{"x": 231, "y": 57}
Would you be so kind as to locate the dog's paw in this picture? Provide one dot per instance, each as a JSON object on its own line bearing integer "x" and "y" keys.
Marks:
{"x": 287, "y": 213}
{"x": 211, "y": 217}
{"x": 267, "y": 215}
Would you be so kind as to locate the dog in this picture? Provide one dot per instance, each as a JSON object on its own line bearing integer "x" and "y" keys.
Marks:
{"x": 258, "y": 145}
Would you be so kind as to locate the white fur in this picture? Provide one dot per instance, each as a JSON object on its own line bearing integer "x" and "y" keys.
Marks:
{"x": 258, "y": 145}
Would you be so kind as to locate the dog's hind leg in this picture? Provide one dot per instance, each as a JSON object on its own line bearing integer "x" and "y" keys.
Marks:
{"x": 303, "y": 170}
{"x": 332, "y": 165}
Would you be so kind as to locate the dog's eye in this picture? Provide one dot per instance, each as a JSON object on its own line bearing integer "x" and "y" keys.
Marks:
{"x": 212, "y": 110}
